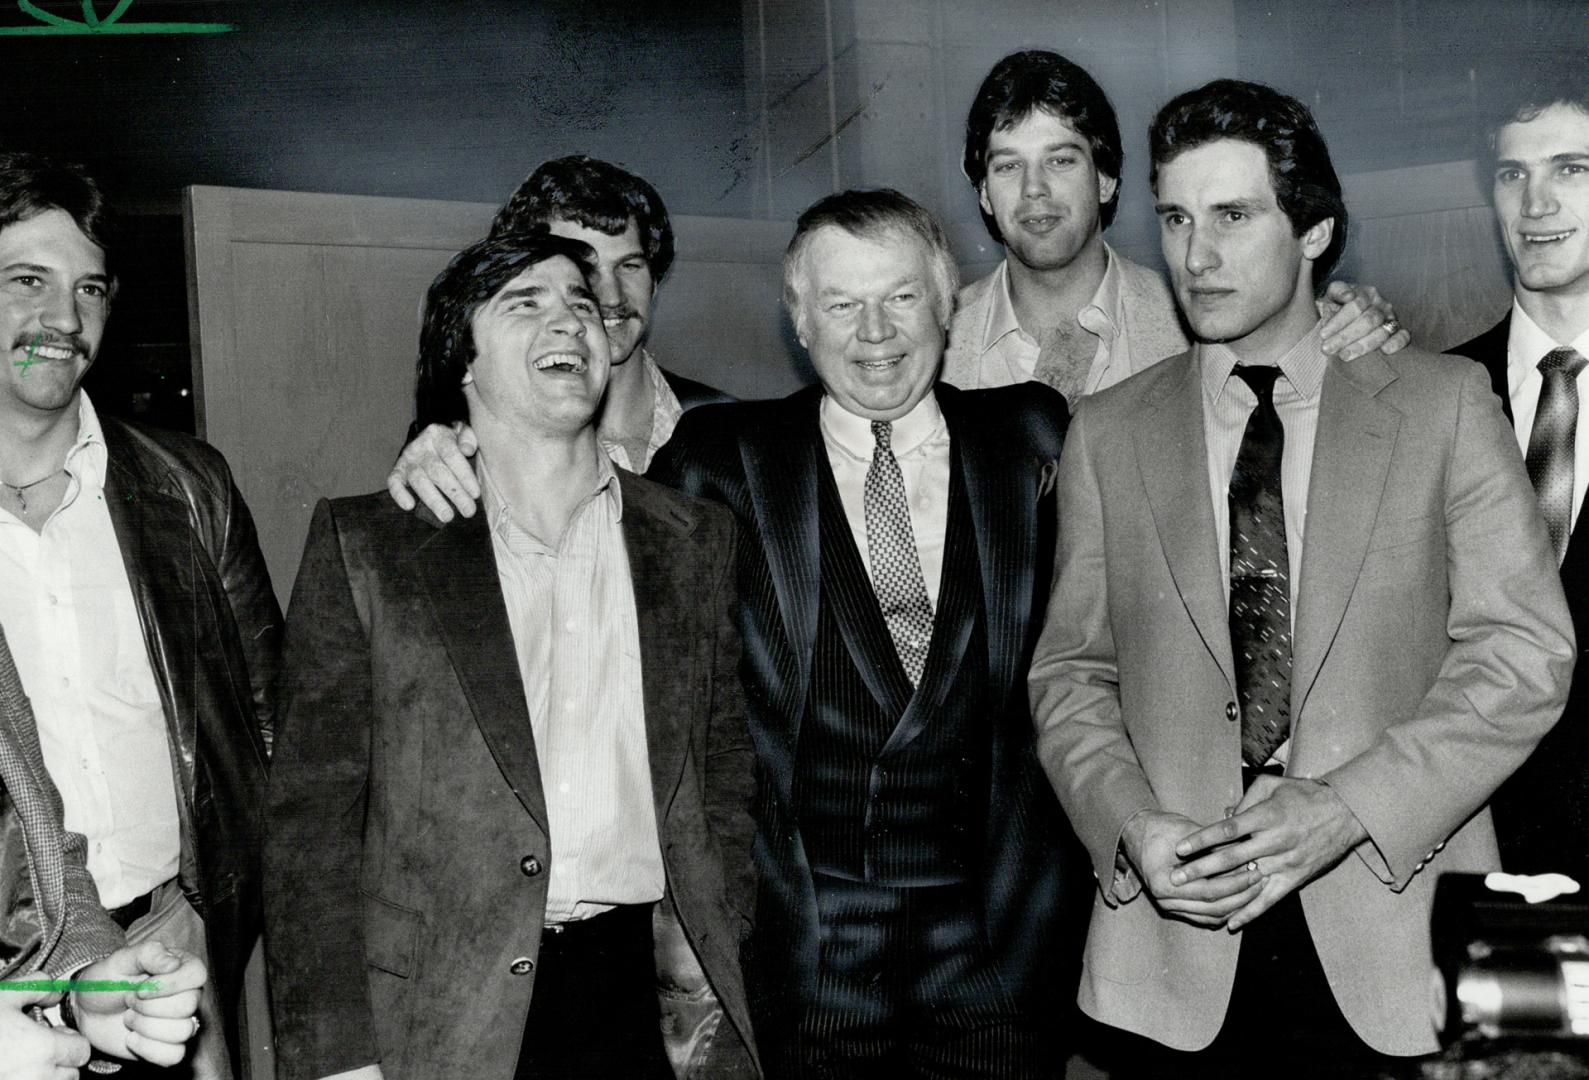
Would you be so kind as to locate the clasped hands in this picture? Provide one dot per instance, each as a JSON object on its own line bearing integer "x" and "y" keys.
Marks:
{"x": 1284, "y": 833}
{"x": 152, "y": 1025}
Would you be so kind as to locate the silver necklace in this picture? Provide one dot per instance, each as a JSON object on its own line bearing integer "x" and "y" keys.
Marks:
{"x": 19, "y": 489}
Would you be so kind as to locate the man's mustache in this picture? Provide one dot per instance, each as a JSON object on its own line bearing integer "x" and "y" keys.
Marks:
{"x": 38, "y": 341}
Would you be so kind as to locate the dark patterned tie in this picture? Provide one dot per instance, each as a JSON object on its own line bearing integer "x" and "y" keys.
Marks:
{"x": 1260, "y": 576}
{"x": 1551, "y": 443}
{"x": 896, "y": 565}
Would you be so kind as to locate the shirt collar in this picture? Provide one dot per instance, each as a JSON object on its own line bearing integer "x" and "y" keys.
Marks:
{"x": 1098, "y": 316}
{"x": 1303, "y": 366}
{"x": 1527, "y": 344}
{"x": 665, "y": 413}
{"x": 88, "y": 458}
{"x": 853, "y": 434}
{"x": 499, "y": 514}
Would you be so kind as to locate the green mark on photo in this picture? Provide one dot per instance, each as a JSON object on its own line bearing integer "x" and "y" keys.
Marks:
{"x": 25, "y": 364}
{"x": 61, "y": 986}
{"x": 48, "y": 24}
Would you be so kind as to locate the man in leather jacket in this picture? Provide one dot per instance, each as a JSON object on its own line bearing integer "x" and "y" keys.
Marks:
{"x": 137, "y": 607}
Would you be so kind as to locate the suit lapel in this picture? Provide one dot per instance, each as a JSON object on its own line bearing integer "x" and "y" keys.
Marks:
{"x": 157, "y": 549}
{"x": 952, "y": 622}
{"x": 782, "y": 461}
{"x": 459, "y": 573}
{"x": 1173, "y": 458}
{"x": 1351, "y": 460}
{"x": 856, "y": 612}
{"x": 1001, "y": 494}
{"x": 670, "y": 621}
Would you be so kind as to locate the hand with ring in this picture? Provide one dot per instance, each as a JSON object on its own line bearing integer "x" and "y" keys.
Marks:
{"x": 153, "y": 1024}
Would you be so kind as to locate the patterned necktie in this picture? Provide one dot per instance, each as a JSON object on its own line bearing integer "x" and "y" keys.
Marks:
{"x": 1260, "y": 576}
{"x": 896, "y": 565}
{"x": 1550, "y": 444}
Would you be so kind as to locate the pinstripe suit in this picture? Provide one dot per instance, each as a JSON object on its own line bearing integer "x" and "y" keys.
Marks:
{"x": 765, "y": 460}
{"x": 39, "y": 854}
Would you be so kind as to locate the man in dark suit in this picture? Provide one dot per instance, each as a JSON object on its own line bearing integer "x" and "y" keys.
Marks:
{"x": 137, "y": 607}
{"x": 624, "y": 219}
{"x": 1536, "y": 360}
{"x": 911, "y": 917}
{"x": 512, "y": 784}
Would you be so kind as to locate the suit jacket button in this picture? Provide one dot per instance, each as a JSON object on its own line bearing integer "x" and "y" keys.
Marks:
{"x": 522, "y": 966}
{"x": 1231, "y": 712}
{"x": 530, "y": 865}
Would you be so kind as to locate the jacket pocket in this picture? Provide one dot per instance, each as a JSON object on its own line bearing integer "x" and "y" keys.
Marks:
{"x": 391, "y": 935}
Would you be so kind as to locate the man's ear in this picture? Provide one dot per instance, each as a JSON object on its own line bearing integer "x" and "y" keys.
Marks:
{"x": 982, "y": 197}
{"x": 1316, "y": 238}
{"x": 1107, "y": 186}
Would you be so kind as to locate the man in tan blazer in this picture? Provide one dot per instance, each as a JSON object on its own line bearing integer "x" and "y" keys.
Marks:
{"x": 1303, "y": 624}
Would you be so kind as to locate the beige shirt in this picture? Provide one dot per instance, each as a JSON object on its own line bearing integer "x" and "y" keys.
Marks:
{"x": 1526, "y": 346}
{"x": 920, "y": 440}
{"x": 571, "y": 608}
{"x": 69, "y": 616}
{"x": 665, "y": 413}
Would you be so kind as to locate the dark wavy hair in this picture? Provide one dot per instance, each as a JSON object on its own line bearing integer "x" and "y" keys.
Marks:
{"x": 1024, "y": 82}
{"x": 1552, "y": 84}
{"x": 31, "y": 184}
{"x": 597, "y": 195}
{"x": 474, "y": 276}
{"x": 1304, "y": 179}
{"x": 870, "y": 213}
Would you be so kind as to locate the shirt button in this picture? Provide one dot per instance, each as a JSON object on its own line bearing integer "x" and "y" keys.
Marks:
{"x": 522, "y": 966}
{"x": 562, "y": 789}
{"x": 65, "y": 681}
{"x": 530, "y": 865}
{"x": 54, "y": 599}
{"x": 568, "y": 624}
{"x": 1231, "y": 712}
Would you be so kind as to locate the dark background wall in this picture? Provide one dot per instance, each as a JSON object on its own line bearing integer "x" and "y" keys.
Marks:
{"x": 733, "y": 108}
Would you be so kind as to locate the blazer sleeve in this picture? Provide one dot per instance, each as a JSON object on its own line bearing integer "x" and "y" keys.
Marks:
{"x": 1074, "y": 680}
{"x": 314, "y": 936}
{"x": 1506, "y": 675}
{"x": 253, "y": 601}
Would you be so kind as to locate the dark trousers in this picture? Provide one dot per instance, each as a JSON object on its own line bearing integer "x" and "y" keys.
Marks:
{"x": 1282, "y": 1022}
{"x": 594, "y": 1014}
{"x": 907, "y": 989}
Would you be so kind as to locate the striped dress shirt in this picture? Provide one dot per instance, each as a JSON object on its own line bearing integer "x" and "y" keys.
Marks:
{"x": 571, "y": 608}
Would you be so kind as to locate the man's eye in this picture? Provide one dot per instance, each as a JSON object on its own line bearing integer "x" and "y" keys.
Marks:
{"x": 30, "y": 281}
{"x": 1062, "y": 161}
{"x": 98, "y": 292}
{"x": 904, "y": 297}
{"x": 1574, "y": 168}
{"x": 1006, "y": 166}
{"x": 842, "y": 307}
{"x": 584, "y": 307}
{"x": 1508, "y": 176}
{"x": 1235, "y": 215}
{"x": 633, "y": 266}
{"x": 1172, "y": 220}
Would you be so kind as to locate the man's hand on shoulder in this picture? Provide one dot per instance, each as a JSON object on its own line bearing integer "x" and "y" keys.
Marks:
{"x": 1357, "y": 320}
{"x": 154, "y": 1025}
{"x": 1285, "y": 833}
{"x": 30, "y": 1050}
{"x": 435, "y": 466}
{"x": 1151, "y": 840}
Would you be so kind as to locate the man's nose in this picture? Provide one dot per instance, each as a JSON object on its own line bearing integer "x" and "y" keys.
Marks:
{"x": 1202, "y": 254}
{"x": 875, "y": 324}
{"x": 61, "y": 312}
{"x": 1539, "y": 197}
{"x": 1034, "y": 182}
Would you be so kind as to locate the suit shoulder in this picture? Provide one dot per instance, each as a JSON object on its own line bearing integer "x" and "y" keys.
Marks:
{"x": 691, "y": 393}
{"x": 140, "y": 447}
{"x": 377, "y": 515}
{"x": 1126, "y": 396}
{"x": 686, "y": 510}
{"x": 1421, "y": 366}
{"x": 1030, "y": 411}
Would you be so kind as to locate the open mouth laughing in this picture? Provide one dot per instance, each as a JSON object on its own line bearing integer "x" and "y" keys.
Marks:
{"x": 572, "y": 363}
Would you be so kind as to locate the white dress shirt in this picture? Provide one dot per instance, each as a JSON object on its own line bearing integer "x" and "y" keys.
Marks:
{"x": 571, "y": 609}
{"x": 920, "y": 440}
{"x": 68, "y": 612}
{"x": 1007, "y": 354}
{"x": 1526, "y": 346}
